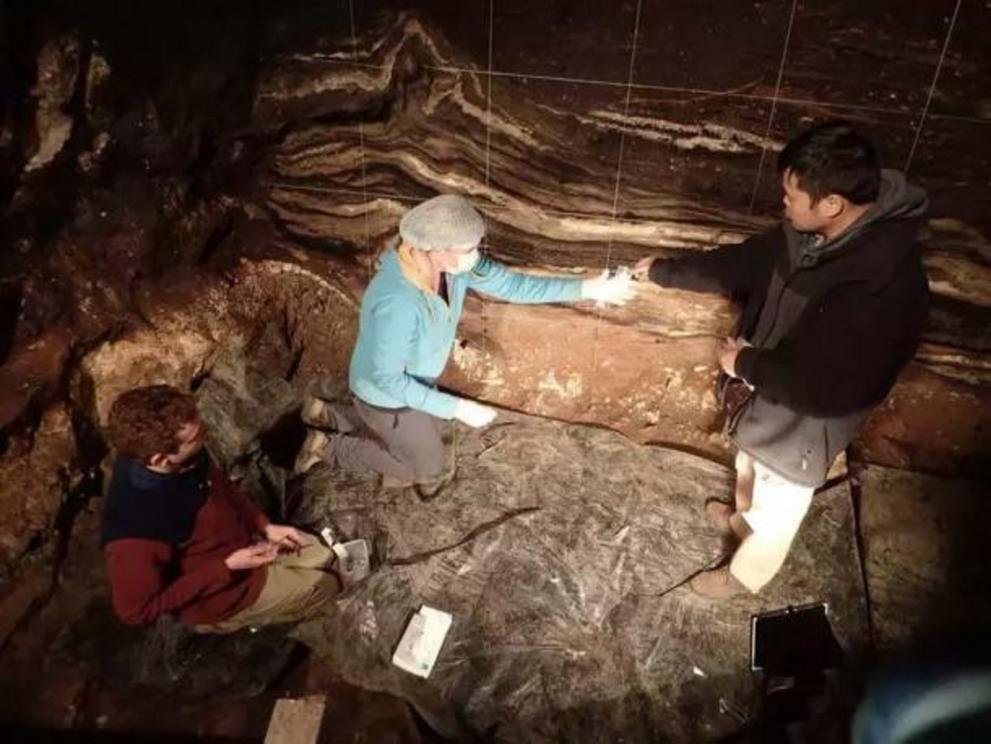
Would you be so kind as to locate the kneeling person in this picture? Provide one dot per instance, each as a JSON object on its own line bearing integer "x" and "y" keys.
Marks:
{"x": 406, "y": 333}
{"x": 180, "y": 538}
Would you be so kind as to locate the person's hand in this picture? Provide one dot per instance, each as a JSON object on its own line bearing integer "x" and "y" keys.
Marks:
{"x": 474, "y": 414}
{"x": 641, "y": 269}
{"x": 252, "y": 557}
{"x": 617, "y": 289}
{"x": 286, "y": 537}
{"x": 728, "y": 352}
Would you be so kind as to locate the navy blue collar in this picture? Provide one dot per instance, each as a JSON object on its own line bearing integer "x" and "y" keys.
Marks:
{"x": 154, "y": 506}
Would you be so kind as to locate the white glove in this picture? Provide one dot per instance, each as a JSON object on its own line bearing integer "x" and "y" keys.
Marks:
{"x": 617, "y": 289}
{"x": 474, "y": 414}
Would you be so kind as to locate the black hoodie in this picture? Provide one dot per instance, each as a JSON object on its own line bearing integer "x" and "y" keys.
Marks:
{"x": 831, "y": 324}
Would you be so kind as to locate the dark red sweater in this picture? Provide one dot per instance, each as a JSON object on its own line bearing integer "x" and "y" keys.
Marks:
{"x": 149, "y": 578}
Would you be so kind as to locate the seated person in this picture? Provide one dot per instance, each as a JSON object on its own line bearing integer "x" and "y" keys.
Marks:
{"x": 180, "y": 538}
{"x": 407, "y": 326}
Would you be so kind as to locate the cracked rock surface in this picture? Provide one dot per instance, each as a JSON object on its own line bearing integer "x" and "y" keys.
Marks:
{"x": 561, "y": 551}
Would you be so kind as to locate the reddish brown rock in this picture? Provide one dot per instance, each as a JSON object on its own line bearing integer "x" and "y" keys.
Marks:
{"x": 35, "y": 472}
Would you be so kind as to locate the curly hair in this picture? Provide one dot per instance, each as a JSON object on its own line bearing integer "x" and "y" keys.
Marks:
{"x": 145, "y": 421}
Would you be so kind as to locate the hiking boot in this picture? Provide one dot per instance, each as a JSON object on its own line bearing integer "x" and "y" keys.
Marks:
{"x": 429, "y": 490}
{"x": 740, "y": 527}
{"x": 717, "y": 584}
{"x": 311, "y": 452}
{"x": 718, "y": 514}
{"x": 724, "y": 518}
{"x": 318, "y": 413}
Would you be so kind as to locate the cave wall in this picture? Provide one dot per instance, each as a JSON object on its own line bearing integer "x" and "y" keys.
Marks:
{"x": 178, "y": 182}
{"x": 155, "y": 162}
{"x": 591, "y": 134}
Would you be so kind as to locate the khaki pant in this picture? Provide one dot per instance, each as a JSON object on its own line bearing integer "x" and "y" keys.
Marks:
{"x": 297, "y": 586}
{"x": 773, "y": 508}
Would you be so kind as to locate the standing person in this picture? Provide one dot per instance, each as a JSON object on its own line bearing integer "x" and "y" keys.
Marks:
{"x": 181, "y": 539}
{"x": 834, "y": 302}
{"x": 409, "y": 317}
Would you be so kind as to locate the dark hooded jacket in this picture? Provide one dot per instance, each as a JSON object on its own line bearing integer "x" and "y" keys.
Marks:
{"x": 831, "y": 325}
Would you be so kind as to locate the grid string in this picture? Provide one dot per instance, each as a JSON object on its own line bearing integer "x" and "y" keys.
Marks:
{"x": 361, "y": 155}
{"x": 932, "y": 87}
{"x": 774, "y": 106}
{"x": 488, "y": 157}
{"x": 619, "y": 177}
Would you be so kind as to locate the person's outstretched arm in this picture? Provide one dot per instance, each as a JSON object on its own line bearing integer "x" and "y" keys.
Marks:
{"x": 732, "y": 270}
{"x": 494, "y": 279}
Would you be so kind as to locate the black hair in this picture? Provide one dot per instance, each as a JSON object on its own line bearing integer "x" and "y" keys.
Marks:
{"x": 834, "y": 158}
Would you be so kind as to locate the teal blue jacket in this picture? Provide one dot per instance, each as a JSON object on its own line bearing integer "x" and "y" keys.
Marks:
{"x": 405, "y": 335}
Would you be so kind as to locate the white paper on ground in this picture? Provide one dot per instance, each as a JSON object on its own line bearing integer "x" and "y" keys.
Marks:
{"x": 421, "y": 642}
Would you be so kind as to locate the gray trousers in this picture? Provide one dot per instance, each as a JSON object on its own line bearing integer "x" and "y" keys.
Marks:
{"x": 401, "y": 443}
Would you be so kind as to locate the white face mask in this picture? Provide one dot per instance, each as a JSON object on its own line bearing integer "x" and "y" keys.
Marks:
{"x": 466, "y": 262}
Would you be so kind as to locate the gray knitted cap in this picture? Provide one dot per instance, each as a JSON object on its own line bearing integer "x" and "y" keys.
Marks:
{"x": 442, "y": 223}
